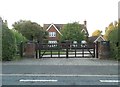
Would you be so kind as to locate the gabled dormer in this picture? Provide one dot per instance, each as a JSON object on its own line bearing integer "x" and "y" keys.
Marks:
{"x": 53, "y": 28}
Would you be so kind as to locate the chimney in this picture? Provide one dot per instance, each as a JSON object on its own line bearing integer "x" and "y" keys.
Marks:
{"x": 85, "y": 22}
{"x": 6, "y": 22}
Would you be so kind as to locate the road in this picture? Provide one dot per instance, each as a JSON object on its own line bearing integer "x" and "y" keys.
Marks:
{"x": 60, "y": 74}
{"x": 72, "y": 71}
{"x": 61, "y": 69}
{"x": 30, "y": 79}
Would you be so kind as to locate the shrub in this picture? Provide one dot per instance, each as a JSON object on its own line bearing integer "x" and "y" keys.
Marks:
{"x": 115, "y": 51}
{"x": 8, "y": 44}
{"x": 18, "y": 37}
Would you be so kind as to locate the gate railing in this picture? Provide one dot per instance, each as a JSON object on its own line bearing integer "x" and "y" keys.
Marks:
{"x": 41, "y": 49}
{"x": 59, "y": 49}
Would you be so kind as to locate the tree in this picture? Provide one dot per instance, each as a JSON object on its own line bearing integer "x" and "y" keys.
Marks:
{"x": 96, "y": 33}
{"x": 30, "y": 30}
{"x": 109, "y": 29}
{"x": 18, "y": 37}
{"x": 111, "y": 34}
{"x": 8, "y": 44}
{"x": 72, "y": 31}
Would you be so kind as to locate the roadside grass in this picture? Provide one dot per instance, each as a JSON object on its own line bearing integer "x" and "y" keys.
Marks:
{"x": 16, "y": 58}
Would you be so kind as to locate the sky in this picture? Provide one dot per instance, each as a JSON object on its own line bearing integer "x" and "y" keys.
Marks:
{"x": 98, "y": 13}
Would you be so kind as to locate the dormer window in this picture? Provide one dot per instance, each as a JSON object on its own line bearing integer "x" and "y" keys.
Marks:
{"x": 52, "y": 34}
{"x": 84, "y": 31}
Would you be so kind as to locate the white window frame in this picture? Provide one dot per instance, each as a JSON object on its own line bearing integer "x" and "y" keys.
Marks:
{"x": 52, "y": 42}
{"x": 52, "y": 34}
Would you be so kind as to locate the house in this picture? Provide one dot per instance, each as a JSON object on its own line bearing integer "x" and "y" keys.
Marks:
{"x": 54, "y": 31}
{"x": 95, "y": 39}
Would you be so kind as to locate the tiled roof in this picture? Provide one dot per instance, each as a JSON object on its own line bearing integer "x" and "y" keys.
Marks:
{"x": 95, "y": 38}
{"x": 59, "y": 26}
{"x": 92, "y": 38}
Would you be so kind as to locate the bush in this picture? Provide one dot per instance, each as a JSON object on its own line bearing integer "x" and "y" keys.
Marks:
{"x": 115, "y": 51}
{"x": 18, "y": 37}
{"x": 8, "y": 44}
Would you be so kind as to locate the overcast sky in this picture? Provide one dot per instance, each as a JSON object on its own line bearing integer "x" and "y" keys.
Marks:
{"x": 98, "y": 13}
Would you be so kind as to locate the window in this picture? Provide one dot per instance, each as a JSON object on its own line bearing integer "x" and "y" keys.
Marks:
{"x": 84, "y": 31}
{"x": 52, "y": 34}
{"x": 52, "y": 42}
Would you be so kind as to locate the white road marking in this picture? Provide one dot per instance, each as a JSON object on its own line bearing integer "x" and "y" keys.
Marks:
{"x": 59, "y": 75}
{"x": 37, "y": 80}
{"x": 109, "y": 81}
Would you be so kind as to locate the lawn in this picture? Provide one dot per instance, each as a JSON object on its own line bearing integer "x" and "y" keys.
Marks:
{"x": 53, "y": 52}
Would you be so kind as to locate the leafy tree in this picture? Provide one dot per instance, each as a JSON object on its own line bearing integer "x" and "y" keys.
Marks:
{"x": 18, "y": 37}
{"x": 8, "y": 44}
{"x": 30, "y": 30}
{"x": 72, "y": 31}
{"x": 113, "y": 36}
{"x": 111, "y": 33}
{"x": 96, "y": 33}
{"x": 109, "y": 29}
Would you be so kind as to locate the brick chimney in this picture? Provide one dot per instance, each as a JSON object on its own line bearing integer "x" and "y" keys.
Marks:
{"x": 85, "y": 22}
{"x": 6, "y": 22}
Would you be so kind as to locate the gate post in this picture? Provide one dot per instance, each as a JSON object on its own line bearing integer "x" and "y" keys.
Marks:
{"x": 21, "y": 49}
{"x": 30, "y": 49}
{"x": 82, "y": 52}
{"x": 75, "y": 49}
{"x": 94, "y": 50}
{"x": 96, "y": 47}
{"x": 58, "y": 45}
{"x": 40, "y": 46}
{"x": 36, "y": 49}
{"x": 104, "y": 51}
{"x": 66, "y": 50}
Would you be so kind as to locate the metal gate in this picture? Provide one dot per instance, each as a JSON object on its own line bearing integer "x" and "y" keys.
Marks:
{"x": 65, "y": 50}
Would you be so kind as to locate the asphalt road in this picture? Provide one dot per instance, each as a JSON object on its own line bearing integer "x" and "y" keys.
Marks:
{"x": 59, "y": 74}
{"x": 36, "y": 72}
{"x": 61, "y": 69}
{"x": 58, "y": 80}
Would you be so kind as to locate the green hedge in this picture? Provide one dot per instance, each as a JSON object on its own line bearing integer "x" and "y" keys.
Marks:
{"x": 8, "y": 44}
{"x": 115, "y": 51}
{"x": 18, "y": 37}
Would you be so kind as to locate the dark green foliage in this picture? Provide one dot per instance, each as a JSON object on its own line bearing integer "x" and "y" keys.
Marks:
{"x": 113, "y": 37}
{"x": 115, "y": 51}
{"x": 72, "y": 31}
{"x": 30, "y": 30}
{"x": 8, "y": 44}
{"x": 18, "y": 37}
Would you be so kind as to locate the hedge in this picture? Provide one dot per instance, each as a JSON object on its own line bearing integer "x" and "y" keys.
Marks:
{"x": 8, "y": 44}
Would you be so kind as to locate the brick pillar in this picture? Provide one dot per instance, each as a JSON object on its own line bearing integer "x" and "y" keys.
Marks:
{"x": 30, "y": 50}
{"x": 104, "y": 50}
